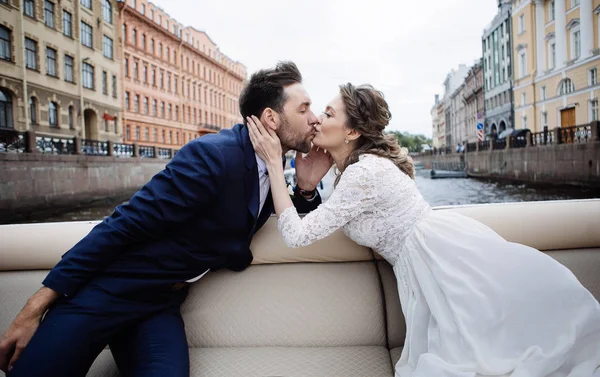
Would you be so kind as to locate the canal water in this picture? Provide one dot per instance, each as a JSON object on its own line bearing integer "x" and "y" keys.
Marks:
{"x": 438, "y": 192}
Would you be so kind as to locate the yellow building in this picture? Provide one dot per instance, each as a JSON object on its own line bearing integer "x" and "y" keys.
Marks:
{"x": 60, "y": 68}
{"x": 556, "y": 59}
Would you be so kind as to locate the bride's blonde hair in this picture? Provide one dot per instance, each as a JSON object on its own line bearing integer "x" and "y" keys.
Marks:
{"x": 369, "y": 114}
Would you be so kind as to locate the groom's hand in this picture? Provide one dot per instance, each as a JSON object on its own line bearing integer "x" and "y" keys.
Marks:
{"x": 311, "y": 168}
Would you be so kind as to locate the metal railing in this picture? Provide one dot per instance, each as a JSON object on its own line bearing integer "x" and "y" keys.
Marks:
{"x": 12, "y": 141}
{"x": 55, "y": 145}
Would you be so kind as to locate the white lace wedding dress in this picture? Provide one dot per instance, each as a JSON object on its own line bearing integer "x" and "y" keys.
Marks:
{"x": 475, "y": 304}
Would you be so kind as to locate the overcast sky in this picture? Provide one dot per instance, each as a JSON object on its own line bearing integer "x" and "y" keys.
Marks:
{"x": 404, "y": 48}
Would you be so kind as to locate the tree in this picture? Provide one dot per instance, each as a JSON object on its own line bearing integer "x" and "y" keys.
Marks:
{"x": 414, "y": 143}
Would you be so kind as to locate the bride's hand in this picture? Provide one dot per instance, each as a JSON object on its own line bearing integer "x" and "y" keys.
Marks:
{"x": 264, "y": 140}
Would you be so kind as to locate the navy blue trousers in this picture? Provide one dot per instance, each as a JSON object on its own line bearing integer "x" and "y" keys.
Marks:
{"x": 145, "y": 334}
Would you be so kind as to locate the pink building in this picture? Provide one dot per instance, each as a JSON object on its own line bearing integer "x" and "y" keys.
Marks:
{"x": 177, "y": 83}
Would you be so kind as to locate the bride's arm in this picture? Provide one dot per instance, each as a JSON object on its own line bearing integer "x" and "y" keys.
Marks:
{"x": 355, "y": 193}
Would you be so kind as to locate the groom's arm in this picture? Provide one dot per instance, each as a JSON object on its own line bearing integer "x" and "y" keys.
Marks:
{"x": 189, "y": 183}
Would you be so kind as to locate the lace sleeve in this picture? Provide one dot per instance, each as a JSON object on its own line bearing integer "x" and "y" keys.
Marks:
{"x": 356, "y": 193}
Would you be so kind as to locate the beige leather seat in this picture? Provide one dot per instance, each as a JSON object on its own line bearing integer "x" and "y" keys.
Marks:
{"x": 330, "y": 309}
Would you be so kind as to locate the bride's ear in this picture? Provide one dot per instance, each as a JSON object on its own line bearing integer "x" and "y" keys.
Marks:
{"x": 270, "y": 118}
{"x": 352, "y": 135}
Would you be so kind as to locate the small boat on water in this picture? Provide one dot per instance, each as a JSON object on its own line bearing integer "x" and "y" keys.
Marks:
{"x": 437, "y": 174}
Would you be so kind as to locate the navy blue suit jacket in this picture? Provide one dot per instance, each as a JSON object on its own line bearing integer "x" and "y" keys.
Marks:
{"x": 199, "y": 213}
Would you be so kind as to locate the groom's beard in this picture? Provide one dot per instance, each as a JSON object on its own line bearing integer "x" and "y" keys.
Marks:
{"x": 291, "y": 140}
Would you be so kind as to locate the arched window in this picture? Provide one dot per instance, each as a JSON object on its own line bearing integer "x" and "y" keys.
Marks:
{"x": 53, "y": 114}
{"x": 6, "y": 110}
{"x": 565, "y": 86}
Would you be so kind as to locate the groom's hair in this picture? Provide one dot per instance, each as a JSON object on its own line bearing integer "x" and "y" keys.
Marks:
{"x": 266, "y": 89}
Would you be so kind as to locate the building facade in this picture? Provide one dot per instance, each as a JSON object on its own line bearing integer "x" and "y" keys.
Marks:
{"x": 557, "y": 59}
{"x": 497, "y": 71}
{"x": 436, "y": 132}
{"x": 177, "y": 83}
{"x": 473, "y": 98}
{"x": 59, "y": 68}
{"x": 452, "y": 105}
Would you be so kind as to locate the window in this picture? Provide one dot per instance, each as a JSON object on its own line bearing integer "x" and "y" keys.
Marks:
{"x": 114, "y": 86}
{"x": 162, "y": 109}
{"x": 51, "y": 61}
{"x": 29, "y": 8}
{"x": 107, "y": 11}
{"x": 161, "y": 77}
{"x": 523, "y": 99}
{"x": 53, "y": 114}
{"x": 153, "y": 77}
{"x": 144, "y": 42}
{"x": 127, "y": 107}
{"x": 152, "y": 14}
{"x": 152, "y": 46}
{"x": 126, "y": 64}
{"x": 136, "y": 104}
{"x": 137, "y": 132}
{"x": 67, "y": 24}
{"x": 552, "y": 54}
{"x": 71, "y": 117}
{"x": 146, "y": 134}
{"x": 33, "y": 110}
{"x": 104, "y": 83}
{"x": 155, "y": 135}
{"x": 521, "y": 24}
{"x": 160, "y": 50}
{"x": 576, "y": 44}
{"x": 6, "y": 110}
{"x": 49, "y": 13}
{"x": 124, "y": 31}
{"x": 574, "y": 3}
{"x": 88, "y": 76}
{"x": 176, "y": 112}
{"x": 593, "y": 77}
{"x": 170, "y": 111}
{"x": 524, "y": 122}
{"x": 107, "y": 47}
{"x": 134, "y": 37}
{"x": 593, "y": 110}
{"x": 566, "y": 86}
{"x": 5, "y": 44}
{"x": 128, "y": 132}
{"x": 551, "y": 16}
{"x": 154, "y": 107}
{"x": 146, "y": 105}
{"x": 143, "y": 9}
{"x": 145, "y": 73}
{"x": 543, "y": 93}
{"x": 136, "y": 70}
{"x": 30, "y": 53}
{"x": 544, "y": 120}
{"x": 167, "y": 55}
{"x": 522, "y": 64}
{"x": 86, "y": 3}
{"x": 86, "y": 35}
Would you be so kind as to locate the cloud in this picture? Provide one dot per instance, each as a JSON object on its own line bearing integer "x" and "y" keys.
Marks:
{"x": 404, "y": 48}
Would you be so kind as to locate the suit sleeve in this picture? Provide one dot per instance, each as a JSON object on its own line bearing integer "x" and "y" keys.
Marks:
{"x": 189, "y": 183}
{"x": 304, "y": 206}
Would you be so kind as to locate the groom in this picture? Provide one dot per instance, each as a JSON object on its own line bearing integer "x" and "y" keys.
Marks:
{"x": 123, "y": 284}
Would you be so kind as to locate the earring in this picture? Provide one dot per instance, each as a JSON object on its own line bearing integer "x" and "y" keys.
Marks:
{"x": 346, "y": 140}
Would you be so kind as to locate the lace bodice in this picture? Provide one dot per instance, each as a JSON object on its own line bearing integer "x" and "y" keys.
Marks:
{"x": 376, "y": 204}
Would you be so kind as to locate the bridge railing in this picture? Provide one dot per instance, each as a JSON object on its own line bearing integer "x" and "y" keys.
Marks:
{"x": 12, "y": 141}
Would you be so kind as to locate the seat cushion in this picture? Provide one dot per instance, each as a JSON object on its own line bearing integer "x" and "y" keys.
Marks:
{"x": 275, "y": 362}
{"x": 395, "y": 355}
{"x": 396, "y": 326}
{"x": 584, "y": 264}
{"x": 291, "y": 362}
{"x": 287, "y": 305}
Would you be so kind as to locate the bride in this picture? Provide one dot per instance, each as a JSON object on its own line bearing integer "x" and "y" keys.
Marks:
{"x": 475, "y": 304}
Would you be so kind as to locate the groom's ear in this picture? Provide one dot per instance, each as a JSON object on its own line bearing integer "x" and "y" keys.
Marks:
{"x": 270, "y": 118}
